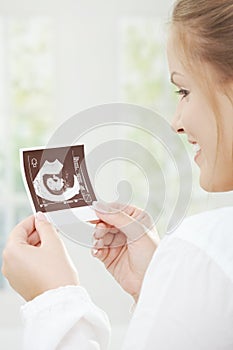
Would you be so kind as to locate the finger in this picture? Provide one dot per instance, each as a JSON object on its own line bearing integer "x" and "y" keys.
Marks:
{"x": 109, "y": 207}
{"x": 101, "y": 232}
{"x": 108, "y": 239}
{"x": 23, "y": 230}
{"x": 102, "y": 225}
{"x": 109, "y": 256}
{"x": 99, "y": 253}
{"x": 144, "y": 218}
{"x": 120, "y": 239}
{"x": 34, "y": 238}
{"x": 128, "y": 209}
{"x": 137, "y": 213}
{"x": 118, "y": 218}
{"x": 45, "y": 229}
{"x": 99, "y": 244}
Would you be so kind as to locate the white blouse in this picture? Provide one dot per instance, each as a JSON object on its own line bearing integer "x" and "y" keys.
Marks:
{"x": 186, "y": 300}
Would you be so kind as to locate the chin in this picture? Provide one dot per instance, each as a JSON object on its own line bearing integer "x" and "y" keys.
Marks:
{"x": 213, "y": 185}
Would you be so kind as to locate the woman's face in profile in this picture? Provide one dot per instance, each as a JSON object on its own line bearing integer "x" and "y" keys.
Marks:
{"x": 55, "y": 183}
{"x": 195, "y": 117}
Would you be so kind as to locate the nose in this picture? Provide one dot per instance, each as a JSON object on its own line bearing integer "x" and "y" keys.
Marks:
{"x": 176, "y": 124}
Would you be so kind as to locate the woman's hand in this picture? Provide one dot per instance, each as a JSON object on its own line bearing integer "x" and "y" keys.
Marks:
{"x": 126, "y": 239}
{"x": 35, "y": 259}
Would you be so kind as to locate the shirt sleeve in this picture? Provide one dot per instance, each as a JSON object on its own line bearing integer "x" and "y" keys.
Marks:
{"x": 64, "y": 319}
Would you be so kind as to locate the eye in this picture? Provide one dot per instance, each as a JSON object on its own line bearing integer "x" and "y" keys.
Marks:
{"x": 182, "y": 92}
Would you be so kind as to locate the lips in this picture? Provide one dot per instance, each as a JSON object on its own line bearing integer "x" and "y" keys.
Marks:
{"x": 196, "y": 148}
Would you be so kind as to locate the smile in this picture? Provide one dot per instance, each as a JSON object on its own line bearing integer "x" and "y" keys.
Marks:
{"x": 196, "y": 148}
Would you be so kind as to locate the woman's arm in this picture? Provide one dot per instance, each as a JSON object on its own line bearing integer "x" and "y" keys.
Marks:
{"x": 64, "y": 318}
{"x": 59, "y": 313}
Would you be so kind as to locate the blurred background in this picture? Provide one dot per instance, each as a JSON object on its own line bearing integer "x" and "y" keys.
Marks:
{"x": 56, "y": 59}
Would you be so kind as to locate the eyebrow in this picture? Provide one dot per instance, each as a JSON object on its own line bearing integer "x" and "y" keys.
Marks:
{"x": 172, "y": 75}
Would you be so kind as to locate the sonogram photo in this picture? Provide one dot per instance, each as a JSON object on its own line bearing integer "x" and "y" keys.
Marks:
{"x": 57, "y": 178}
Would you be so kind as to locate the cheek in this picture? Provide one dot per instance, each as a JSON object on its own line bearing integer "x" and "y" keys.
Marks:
{"x": 200, "y": 118}
{"x": 192, "y": 118}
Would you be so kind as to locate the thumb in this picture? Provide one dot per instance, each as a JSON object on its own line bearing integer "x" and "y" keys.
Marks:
{"x": 132, "y": 228}
{"x": 22, "y": 231}
{"x": 45, "y": 229}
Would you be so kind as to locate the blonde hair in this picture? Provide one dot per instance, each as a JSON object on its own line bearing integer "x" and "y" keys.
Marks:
{"x": 204, "y": 32}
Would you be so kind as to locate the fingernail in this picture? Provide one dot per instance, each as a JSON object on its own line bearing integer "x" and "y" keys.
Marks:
{"x": 94, "y": 251}
{"x": 41, "y": 217}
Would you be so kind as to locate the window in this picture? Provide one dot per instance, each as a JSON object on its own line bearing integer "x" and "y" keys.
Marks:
{"x": 144, "y": 80}
{"x": 144, "y": 77}
{"x": 50, "y": 71}
{"x": 26, "y": 106}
